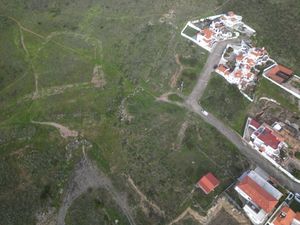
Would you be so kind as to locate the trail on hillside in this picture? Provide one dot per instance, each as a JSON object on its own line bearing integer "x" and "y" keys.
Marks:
{"x": 177, "y": 73}
{"x": 144, "y": 197}
{"x": 86, "y": 175}
{"x": 64, "y": 131}
{"x": 222, "y": 203}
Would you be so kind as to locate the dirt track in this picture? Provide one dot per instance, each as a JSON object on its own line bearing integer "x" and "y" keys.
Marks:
{"x": 64, "y": 131}
{"x": 86, "y": 175}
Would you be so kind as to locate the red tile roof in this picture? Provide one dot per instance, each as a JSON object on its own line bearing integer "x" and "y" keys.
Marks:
{"x": 269, "y": 138}
{"x": 208, "y": 183}
{"x": 258, "y": 195}
{"x": 238, "y": 73}
{"x": 250, "y": 62}
{"x": 207, "y": 33}
{"x": 285, "y": 216}
{"x": 297, "y": 217}
{"x": 249, "y": 75}
{"x": 254, "y": 123}
{"x": 272, "y": 73}
{"x": 239, "y": 57}
{"x": 222, "y": 68}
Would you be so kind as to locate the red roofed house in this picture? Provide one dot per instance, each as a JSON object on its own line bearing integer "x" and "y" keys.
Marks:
{"x": 207, "y": 33}
{"x": 253, "y": 124}
{"x": 258, "y": 195}
{"x": 221, "y": 68}
{"x": 208, "y": 183}
{"x": 267, "y": 140}
{"x": 286, "y": 216}
{"x": 279, "y": 74}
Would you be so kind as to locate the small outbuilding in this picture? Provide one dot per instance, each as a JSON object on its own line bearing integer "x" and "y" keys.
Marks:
{"x": 208, "y": 183}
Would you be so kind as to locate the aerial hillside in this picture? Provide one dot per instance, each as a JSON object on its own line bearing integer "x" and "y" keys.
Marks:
{"x": 84, "y": 137}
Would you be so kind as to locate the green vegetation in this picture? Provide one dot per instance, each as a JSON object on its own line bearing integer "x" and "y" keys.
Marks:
{"x": 175, "y": 97}
{"x": 95, "y": 207}
{"x": 191, "y": 32}
{"x": 202, "y": 150}
{"x": 226, "y": 102}
{"x": 296, "y": 173}
{"x": 266, "y": 88}
{"x": 297, "y": 155}
{"x": 295, "y": 206}
{"x": 191, "y": 68}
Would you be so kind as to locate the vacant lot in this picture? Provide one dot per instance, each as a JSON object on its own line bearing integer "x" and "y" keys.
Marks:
{"x": 226, "y": 102}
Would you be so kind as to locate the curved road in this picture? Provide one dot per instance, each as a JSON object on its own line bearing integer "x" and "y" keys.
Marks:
{"x": 192, "y": 104}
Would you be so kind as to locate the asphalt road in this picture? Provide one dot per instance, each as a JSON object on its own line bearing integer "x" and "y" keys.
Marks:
{"x": 192, "y": 103}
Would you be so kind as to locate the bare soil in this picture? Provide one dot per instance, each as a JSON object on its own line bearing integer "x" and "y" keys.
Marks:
{"x": 223, "y": 211}
{"x": 176, "y": 75}
{"x": 65, "y": 132}
{"x": 98, "y": 79}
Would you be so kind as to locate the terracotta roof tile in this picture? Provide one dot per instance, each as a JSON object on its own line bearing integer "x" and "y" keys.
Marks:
{"x": 258, "y": 195}
{"x": 284, "y": 217}
{"x": 208, "y": 183}
{"x": 269, "y": 138}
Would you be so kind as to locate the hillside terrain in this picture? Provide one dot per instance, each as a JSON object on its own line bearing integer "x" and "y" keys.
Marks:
{"x": 84, "y": 138}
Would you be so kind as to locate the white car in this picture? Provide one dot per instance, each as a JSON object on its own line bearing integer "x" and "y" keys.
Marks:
{"x": 204, "y": 112}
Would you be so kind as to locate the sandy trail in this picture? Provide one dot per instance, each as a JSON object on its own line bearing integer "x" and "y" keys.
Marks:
{"x": 64, "y": 131}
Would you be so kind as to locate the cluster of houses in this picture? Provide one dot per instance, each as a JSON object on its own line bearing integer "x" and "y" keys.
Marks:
{"x": 241, "y": 64}
{"x": 260, "y": 199}
{"x": 265, "y": 138}
{"x": 207, "y": 32}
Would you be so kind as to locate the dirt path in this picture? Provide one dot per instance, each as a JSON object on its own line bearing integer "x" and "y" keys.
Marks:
{"x": 21, "y": 29}
{"x": 24, "y": 28}
{"x": 98, "y": 79}
{"x": 222, "y": 203}
{"x": 269, "y": 100}
{"x": 177, "y": 73}
{"x": 144, "y": 198}
{"x": 181, "y": 133}
{"x": 86, "y": 175}
{"x": 64, "y": 131}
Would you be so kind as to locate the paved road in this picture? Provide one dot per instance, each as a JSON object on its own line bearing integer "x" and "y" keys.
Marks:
{"x": 192, "y": 104}
{"x": 212, "y": 60}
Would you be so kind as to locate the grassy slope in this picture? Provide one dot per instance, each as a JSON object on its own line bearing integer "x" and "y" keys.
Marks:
{"x": 98, "y": 209}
